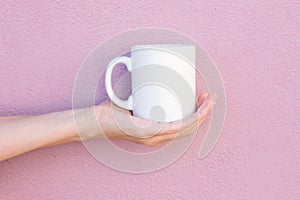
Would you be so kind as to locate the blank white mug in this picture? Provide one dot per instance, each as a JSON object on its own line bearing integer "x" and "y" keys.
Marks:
{"x": 163, "y": 81}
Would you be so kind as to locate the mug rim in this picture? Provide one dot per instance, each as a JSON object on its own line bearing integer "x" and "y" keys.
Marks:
{"x": 140, "y": 46}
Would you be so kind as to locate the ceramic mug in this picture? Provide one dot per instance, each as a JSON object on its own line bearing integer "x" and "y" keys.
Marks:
{"x": 163, "y": 80}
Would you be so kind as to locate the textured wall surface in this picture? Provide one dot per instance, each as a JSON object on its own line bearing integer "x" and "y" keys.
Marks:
{"x": 254, "y": 43}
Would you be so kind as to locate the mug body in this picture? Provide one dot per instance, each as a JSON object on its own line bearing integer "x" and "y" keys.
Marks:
{"x": 163, "y": 81}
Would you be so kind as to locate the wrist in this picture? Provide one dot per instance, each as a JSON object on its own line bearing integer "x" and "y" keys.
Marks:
{"x": 86, "y": 123}
{"x": 65, "y": 126}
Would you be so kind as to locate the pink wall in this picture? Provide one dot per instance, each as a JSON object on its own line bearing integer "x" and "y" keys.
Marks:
{"x": 254, "y": 43}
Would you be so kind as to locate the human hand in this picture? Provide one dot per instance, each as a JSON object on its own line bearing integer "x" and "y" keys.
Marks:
{"x": 21, "y": 134}
{"x": 25, "y": 133}
{"x": 116, "y": 122}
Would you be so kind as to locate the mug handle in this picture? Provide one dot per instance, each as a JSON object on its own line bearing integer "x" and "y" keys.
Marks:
{"x": 126, "y": 104}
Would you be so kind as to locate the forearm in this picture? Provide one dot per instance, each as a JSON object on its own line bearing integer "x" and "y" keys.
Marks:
{"x": 22, "y": 134}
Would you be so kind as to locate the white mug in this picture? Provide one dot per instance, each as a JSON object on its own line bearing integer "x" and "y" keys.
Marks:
{"x": 163, "y": 80}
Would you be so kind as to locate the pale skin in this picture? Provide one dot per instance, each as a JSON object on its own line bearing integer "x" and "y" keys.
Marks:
{"x": 21, "y": 134}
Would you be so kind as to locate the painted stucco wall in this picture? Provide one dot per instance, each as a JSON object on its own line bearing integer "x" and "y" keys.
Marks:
{"x": 254, "y": 43}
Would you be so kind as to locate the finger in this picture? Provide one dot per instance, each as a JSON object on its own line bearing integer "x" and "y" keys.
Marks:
{"x": 190, "y": 129}
{"x": 206, "y": 104}
{"x": 164, "y": 138}
{"x": 187, "y": 131}
{"x": 204, "y": 115}
{"x": 202, "y": 98}
{"x": 180, "y": 125}
{"x": 164, "y": 128}
{"x": 176, "y": 126}
{"x": 205, "y": 110}
{"x": 181, "y": 133}
{"x": 161, "y": 139}
{"x": 129, "y": 138}
{"x": 145, "y": 128}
